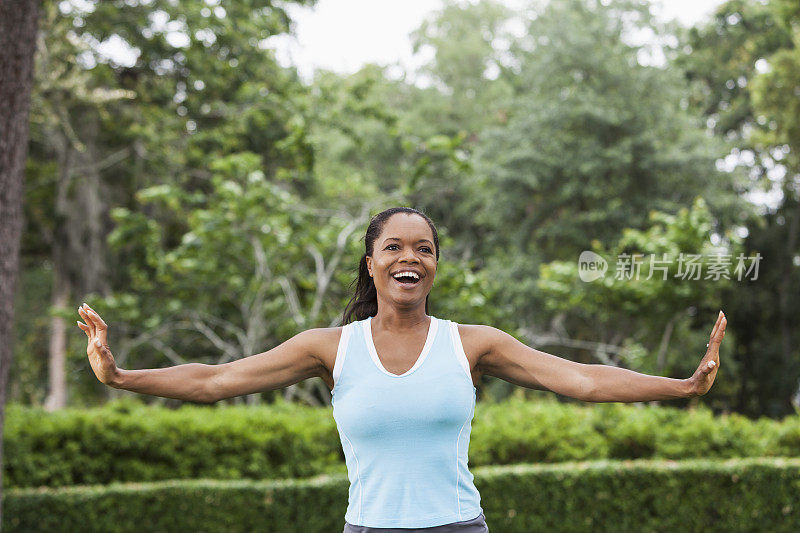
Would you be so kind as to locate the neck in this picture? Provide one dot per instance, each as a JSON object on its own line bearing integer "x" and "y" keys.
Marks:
{"x": 394, "y": 318}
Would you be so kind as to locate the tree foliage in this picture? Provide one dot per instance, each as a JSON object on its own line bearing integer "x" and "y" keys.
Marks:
{"x": 213, "y": 203}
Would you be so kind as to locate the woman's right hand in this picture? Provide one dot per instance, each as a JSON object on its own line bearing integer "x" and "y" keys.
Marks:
{"x": 100, "y": 357}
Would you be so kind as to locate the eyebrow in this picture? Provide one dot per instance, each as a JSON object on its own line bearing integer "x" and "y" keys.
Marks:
{"x": 396, "y": 239}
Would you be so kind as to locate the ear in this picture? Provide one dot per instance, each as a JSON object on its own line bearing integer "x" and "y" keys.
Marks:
{"x": 369, "y": 265}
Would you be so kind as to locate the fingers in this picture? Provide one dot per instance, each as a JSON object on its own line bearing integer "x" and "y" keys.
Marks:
{"x": 96, "y": 324}
{"x": 720, "y": 332}
{"x": 717, "y": 334}
{"x": 719, "y": 329}
{"x": 716, "y": 325}
{"x": 89, "y": 323}
{"x": 92, "y": 313}
{"x": 85, "y": 328}
{"x": 95, "y": 317}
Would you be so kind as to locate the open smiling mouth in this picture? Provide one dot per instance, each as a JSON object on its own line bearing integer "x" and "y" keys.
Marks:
{"x": 406, "y": 281}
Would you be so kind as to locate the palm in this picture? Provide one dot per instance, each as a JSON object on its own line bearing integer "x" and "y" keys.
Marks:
{"x": 705, "y": 374}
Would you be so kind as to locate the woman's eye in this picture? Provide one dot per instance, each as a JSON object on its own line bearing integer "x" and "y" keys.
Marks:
{"x": 425, "y": 248}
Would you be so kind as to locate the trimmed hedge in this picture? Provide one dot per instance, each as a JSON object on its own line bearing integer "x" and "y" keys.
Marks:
{"x": 130, "y": 441}
{"x": 754, "y": 494}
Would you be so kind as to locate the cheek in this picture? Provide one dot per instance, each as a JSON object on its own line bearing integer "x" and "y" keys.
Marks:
{"x": 378, "y": 267}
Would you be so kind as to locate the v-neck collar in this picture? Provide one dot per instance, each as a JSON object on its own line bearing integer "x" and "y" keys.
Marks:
{"x": 432, "y": 327}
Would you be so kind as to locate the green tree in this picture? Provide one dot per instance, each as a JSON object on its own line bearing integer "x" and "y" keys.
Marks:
{"x": 471, "y": 63}
{"x": 653, "y": 304}
{"x": 596, "y": 138}
{"x": 202, "y": 84}
{"x": 742, "y": 66}
{"x": 471, "y": 76}
{"x": 253, "y": 266}
{"x": 66, "y": 193}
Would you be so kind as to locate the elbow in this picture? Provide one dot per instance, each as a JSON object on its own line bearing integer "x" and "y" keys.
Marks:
{"x": 578, "y": 385}
{"x": 208, "y": 397}
{"x": 588, "y": 389}
{"x": 210, "y": 391}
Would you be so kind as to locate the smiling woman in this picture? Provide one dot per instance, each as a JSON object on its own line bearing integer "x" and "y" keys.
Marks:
{"x": 406, "y": 243}
{"x": 403, "y": 382}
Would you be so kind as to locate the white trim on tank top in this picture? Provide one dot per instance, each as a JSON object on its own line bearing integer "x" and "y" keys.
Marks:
{"x": 341, "y": 351}
{"x": 455, "y": 336}
{"x": 347, "y": 331}
{"x": 434, "y": 325}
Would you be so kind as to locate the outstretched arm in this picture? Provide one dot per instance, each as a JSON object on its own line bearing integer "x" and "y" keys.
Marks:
{"x": 509, "y": 359}
{"x": 188, "y": 382}
{"x": 611, "y": 384}
{"x": 286, "y": 364}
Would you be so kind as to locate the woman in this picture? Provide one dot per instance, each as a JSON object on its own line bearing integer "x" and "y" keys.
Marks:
{"x": 403, "y": 382}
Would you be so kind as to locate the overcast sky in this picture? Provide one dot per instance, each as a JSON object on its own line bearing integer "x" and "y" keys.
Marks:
{"x": 343, "y": 35}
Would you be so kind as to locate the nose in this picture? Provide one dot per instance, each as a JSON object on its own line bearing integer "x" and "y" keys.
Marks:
{"x": 408, "y": 256}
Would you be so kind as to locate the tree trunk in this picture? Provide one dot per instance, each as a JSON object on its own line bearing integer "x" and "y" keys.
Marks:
{"x": 57, "y": 393}
{"x": 64, "y": 232}
{"x": 79, "y": 209}
{"x": 18, "y": 19}
{"x": 93, "y": 253}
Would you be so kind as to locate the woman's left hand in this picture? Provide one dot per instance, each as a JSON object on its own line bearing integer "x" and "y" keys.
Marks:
{"x": 704, "y": 376}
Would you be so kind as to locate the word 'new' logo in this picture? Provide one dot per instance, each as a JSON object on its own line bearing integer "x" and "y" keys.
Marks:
{"x": 591, "y": 266}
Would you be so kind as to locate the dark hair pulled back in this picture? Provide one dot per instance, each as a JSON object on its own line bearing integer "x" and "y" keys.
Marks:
{"x": 364, "y": 302}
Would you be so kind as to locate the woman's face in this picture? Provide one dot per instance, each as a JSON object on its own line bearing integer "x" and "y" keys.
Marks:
{"x": 405, "y": 244}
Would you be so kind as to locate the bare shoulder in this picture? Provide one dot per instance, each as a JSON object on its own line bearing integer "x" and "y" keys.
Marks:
{"x": 477, "y": 340}
{"x": 480, "y": 337}
{"x": 323, "y": 343}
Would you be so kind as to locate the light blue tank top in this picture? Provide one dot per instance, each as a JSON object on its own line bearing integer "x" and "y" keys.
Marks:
{"x": 406, "y": 437}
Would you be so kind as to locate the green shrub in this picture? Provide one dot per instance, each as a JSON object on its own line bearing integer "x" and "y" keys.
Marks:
{"x": 787, "y": 439}
{"x": 130, "y": 441}
{"x": 141, "y": 443}
{"x": 599, "y": 496}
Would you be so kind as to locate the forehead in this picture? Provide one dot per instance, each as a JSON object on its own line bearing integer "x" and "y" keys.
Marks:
{"x": 406, "y": 226}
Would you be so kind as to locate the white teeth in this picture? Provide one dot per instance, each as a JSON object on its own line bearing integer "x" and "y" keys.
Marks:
{"x": 406, "y": 273}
